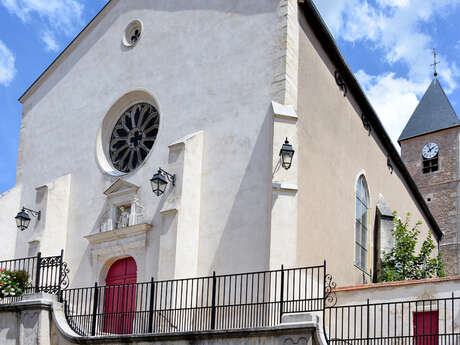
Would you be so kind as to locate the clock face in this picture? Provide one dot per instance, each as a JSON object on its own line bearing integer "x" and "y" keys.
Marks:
{"x": 430, "y": 150}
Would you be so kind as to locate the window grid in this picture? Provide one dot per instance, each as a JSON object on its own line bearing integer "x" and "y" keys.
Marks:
{"x": 430, "y": 165}
{"x": 361, "y": 225}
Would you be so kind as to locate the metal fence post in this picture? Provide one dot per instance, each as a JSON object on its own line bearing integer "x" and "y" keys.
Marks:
{"x": 37, "y": 272}
{"x": 324, "y": 284}
{"x": 453, "y": 313}
{"x": 368, "y": 322}
{"x": 61, "y": 261}
{"x": 94, "y": 317}
{"x": 282, "y": 293}
{"x": 324, "y": 299}
{"x": 213, "y": 301}
{"x": 152, "y": 293}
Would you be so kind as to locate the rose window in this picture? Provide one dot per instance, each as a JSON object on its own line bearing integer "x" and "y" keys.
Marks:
{"x": 133, "y": 136}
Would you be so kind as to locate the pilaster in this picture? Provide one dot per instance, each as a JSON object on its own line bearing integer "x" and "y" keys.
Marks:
{"x": 183, "y": 204}
{"x": 286, "y": 75}
{"x": 283, "y": 235}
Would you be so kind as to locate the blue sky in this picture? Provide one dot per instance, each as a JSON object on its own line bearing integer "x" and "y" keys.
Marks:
{"x": 387, "y": 43}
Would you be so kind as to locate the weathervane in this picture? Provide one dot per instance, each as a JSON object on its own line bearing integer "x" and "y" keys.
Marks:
{"x": 435, "y": 62}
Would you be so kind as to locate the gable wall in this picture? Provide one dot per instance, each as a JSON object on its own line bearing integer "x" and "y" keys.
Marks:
{"x": 210, "y": 67}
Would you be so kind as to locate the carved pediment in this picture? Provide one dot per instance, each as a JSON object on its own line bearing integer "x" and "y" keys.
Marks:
{"x": 122, "y": 207}
{"x": 121, "y": 187}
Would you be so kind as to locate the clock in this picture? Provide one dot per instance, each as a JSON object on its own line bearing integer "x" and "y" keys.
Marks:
{"x": 430, "y": 150}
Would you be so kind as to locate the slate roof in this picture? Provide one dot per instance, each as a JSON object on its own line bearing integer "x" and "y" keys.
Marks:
{"x": 433, "y": 113}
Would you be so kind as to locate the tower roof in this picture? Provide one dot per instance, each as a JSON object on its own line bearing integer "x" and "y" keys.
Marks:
{"x": 433, "y": 113}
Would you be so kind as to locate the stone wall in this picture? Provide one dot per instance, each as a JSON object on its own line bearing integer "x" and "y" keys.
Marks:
{"x": 39, "y": 320}
{"x": 440, "y": 189}
{"x": 26, "y": 322}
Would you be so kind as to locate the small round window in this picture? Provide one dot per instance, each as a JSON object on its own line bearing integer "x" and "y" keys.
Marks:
{"x": 133, "y": 136}
{"x": 132, "y": 33}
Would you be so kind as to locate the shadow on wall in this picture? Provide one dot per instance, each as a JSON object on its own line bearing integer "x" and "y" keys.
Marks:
{"x": 163, "y": 229}
{"x": 244, "y": 244}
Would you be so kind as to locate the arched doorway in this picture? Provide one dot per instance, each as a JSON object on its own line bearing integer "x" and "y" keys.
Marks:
{"x": 120, "y": 297}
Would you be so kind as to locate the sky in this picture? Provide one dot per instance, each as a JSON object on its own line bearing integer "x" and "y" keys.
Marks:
{"x": 387, "y": 44}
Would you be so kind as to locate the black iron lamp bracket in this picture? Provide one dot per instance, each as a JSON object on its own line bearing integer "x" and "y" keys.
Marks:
{"x": 171, "y": 178}
{"x": 32, "y": 212}
{"x": 390, "y": 165}
{"x": 341, "y": 83}
{"x": 366, "y": 124}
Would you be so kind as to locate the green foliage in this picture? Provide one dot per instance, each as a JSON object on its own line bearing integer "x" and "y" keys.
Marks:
{"x": 13, "y": 283}
{"x": 22, "y": 278}
{"x": 402, "y": 263}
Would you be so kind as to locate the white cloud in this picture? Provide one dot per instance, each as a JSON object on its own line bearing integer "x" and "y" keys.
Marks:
{"x": 366, "y": 25}
{"x": 396, "y": 28}
{"x": 449, "y": 76}
{"x": 7, "y": 61}
{"x": 60, "y": 16}
{"x": 393, "y": 3}
{"x": 393, "y": 98}
{"x": 50, "y": 41}
{"x": 332, "y": 11}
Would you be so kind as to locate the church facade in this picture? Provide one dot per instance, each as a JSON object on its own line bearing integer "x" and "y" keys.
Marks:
{"x": 202, "y": 95}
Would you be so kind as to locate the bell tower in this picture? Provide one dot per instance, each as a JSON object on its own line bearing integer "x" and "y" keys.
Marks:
{"x": 430, "y": 149}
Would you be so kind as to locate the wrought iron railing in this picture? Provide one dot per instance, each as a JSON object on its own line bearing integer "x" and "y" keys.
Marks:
{"x": 231, "y": 301}
{"x": 45, "y": 274}
{"x": 421, "y": 322}
{"x": 238, "y": 301}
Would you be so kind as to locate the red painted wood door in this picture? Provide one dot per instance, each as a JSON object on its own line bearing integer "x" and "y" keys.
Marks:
{"x": 120, "y": 297}
{"x": 426, "y": 328}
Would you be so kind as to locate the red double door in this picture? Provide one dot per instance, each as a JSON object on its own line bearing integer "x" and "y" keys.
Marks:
{"x": 120, "y": 298}
{"x": 426, "y": 328}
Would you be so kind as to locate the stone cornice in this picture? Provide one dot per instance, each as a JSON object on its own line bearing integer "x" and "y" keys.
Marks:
{"x": 129, "y": 231}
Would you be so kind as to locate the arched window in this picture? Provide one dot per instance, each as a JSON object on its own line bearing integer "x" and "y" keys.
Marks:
{"x": 362, "y": 203}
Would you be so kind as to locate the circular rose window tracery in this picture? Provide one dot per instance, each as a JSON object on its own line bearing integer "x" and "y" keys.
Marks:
{"x": 133, "y": 136}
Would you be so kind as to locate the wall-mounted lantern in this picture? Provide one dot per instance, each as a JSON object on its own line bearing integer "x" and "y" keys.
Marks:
{"x": 286, "y": 154}
{"x": 23, "y": 218}
{"x": 159, "y": 181}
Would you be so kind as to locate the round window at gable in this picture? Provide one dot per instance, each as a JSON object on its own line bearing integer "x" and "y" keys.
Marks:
{"x": 133, "y": 136}
{"x": 133, "y": 33}
{"x": 127, "y": 134}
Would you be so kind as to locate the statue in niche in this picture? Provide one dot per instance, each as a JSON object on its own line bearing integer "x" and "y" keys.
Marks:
{"x": 123, "y": 219}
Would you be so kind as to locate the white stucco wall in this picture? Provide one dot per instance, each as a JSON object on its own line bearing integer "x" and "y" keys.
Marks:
{"x": 10, "y": 206}
{"x": 209, "y": 66}
{"x": 226, "y": 79}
